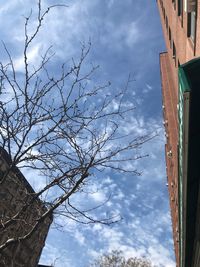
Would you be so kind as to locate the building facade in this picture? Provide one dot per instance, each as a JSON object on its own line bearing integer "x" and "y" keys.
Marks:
{"x": 180, "y": 77}
{"x": 17, "y": 196}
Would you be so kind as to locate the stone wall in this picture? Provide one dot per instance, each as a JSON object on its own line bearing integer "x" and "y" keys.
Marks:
{"x": 17, "y": 195}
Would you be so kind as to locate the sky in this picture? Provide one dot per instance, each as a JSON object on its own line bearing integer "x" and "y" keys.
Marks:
{"x": 126, "y": 40}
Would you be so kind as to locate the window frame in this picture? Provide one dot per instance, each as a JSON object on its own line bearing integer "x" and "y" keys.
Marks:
{"x": 191, "y": 25}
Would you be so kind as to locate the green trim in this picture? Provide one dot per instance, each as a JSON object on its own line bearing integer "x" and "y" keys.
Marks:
{"x": 183, "y": 116}
{"x": 189, "y": 83}
{"x": 183, "y": 81}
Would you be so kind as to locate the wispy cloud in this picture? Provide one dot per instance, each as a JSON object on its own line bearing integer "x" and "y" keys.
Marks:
{"x": 122, "y": 43}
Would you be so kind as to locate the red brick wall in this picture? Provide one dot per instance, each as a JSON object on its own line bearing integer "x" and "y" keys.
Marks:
{"x": 186, "y": 49}
{"x": 170, "y": 121}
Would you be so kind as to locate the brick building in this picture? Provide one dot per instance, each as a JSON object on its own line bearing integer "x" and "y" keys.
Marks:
{"x": 15, "y": 193}
{"x": 180, "y": 77}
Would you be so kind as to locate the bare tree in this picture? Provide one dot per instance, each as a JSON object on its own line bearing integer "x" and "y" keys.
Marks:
{"x": 116, "y": 259}
{"x": 62, "y": 126}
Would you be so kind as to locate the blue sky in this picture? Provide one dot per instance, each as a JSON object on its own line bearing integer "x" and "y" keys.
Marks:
{"x": 126, "y": 39}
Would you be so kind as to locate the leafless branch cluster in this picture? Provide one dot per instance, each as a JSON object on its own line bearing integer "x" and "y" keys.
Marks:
{"x": 116, "y": 259}
{"x": 62, "y": 126}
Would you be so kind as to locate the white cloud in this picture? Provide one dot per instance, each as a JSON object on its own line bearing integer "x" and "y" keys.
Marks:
{"x": 132, "y": 34}
{"x": 32, "y": 55}
{"x": 94, "y": 254}
{"x": 155, "y": 252}
{"x": 107, "y": 180}
{"x": 98, "y": 196}
{"x": 119, "y": 195}
{"x": 138, "y": 243}
{"x": 110, "y": 3}
{"x": 79, "y": 237}
{"x": 97, "y": 227}
{"x": 56, "y": 256}
{"x": 148, "y": 88}
{"x": 113, "y": 236}
{"x": 140, "y": 233}
{"x": 33, "y": 177}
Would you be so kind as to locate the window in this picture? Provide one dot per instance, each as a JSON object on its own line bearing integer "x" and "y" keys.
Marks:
{"x": 170, "y": 38}
{"x": 192, "y": 25}
{"x": 180, "y": 7}
{"x": 174, "y": 2}
{"x": 174, "y": 53}
{"x": 191, "y": 9}
{"x": 166, "y": 23}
